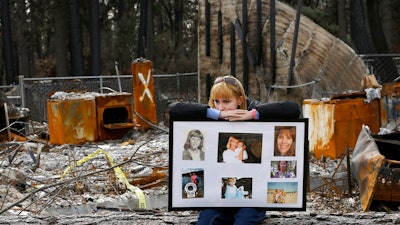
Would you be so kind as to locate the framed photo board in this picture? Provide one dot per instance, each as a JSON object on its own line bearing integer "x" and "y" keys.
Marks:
{"x": 219, "y": 164}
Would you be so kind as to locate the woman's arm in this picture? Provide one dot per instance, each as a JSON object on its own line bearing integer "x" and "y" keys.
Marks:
{"x": 187, "y": 111}
{"x": 278, "y": 110}
{"x": 197, "y": 111}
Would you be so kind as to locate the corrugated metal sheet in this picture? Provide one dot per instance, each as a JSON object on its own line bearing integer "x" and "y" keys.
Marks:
{"x": 365, "y": 166}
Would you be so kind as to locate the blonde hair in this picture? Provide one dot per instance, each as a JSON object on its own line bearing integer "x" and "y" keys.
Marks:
{"x": 227, "y": 90}
{"x": 228, "y": 144}
{"x": 231, "y": 179}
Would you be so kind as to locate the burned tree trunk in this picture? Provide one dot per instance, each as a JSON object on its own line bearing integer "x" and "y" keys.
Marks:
{"x": 318, "y": 56}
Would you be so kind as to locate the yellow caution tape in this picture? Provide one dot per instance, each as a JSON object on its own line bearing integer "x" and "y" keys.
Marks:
{"x": 82, "y": 161}
{"x": 118, "y": 172}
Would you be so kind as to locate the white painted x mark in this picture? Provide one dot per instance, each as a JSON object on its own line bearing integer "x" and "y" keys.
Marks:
{"x": 146, "y": 90}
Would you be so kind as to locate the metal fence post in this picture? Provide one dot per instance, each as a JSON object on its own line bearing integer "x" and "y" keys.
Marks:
{"x": 178, "y": 85}
{"x": 22, "y": 90}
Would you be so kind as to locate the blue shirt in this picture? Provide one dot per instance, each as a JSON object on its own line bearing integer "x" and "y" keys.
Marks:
{"x": 214, "y": 114}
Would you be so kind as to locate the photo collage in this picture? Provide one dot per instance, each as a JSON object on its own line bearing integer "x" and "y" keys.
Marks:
{"x": 220, "y": 164}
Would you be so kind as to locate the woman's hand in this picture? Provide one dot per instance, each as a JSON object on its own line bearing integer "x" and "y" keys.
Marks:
{"x": 236, "y": 115}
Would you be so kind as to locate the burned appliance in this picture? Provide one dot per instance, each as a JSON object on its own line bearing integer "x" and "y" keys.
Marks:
{"x": 76, "y": 118}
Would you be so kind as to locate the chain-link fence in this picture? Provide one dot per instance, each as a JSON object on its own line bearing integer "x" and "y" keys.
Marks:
{"x": 34, "y": 92}
{"x": 386, "y": 67}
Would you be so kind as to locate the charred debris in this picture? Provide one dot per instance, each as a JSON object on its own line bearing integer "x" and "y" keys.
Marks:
{"x": 40, "y": 177}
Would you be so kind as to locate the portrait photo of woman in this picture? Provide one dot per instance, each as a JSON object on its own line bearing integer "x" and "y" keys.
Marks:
{"x": 193, "y": 148}
{"x": 235, "y": 151}
{"x": 283, "y": 169}
{"x": 285, "y": 141}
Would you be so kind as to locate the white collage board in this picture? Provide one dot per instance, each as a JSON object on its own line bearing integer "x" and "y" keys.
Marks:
{"x": 202, "y": 183}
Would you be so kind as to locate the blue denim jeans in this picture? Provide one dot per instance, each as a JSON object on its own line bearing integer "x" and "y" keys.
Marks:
{"x": 236, "y": 216}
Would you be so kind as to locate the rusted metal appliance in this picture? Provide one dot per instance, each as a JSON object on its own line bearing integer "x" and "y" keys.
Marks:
{"x": 336, "y": 123}
{"x": 376, "y": 167}
{"x": 78, "y": 118}
{"x": 376, "y": 158}
{"x": 387, "y": 187}
{"x": 114, "y": 116}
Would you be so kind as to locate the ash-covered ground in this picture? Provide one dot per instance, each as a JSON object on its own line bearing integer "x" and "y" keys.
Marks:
{"x": 64, "y": 184}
